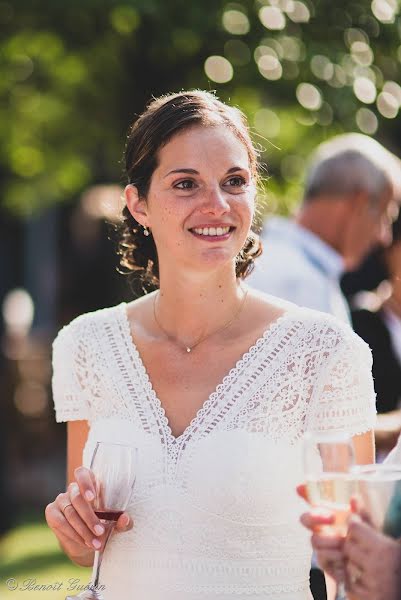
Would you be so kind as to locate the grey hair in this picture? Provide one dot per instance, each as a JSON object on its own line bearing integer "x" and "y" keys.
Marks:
{"x": 348, "y": 164}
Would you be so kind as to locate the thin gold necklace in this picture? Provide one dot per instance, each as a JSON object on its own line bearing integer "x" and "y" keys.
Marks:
{"x": 203, "y": 337}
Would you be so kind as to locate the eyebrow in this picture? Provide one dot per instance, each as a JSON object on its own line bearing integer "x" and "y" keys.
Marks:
{"x": 195, "y": 172}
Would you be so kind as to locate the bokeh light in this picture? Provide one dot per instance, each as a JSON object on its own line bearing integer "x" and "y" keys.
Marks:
{"x": 272, "y": 17}
{"x": 309, "y": 96}
{"x": 26, "y": 161}
{"x": 236, "y": 22}
{"x": 219, "y": 69}
{"x": 352, "y": 35}
{"x": 299, "y": 12}
{"x": 18, "y": 311}
{"x": 103, "y": 202}
{"x": 293, "y": 48}
{"x": 338, "y": 78}
{"x": 385, "y": 10}
{"x": 391, "y": 87}
{"x": 387, "y": 105}
{"x": 270, "y": 67}
{"x": 365, "y": 90}
{"x": 322, "y": 67}
{"x": 365, "y": 72}
{"x": 367, "y": 121}
{"x": 124, "y": 19}
{"x": 362, "y": 53}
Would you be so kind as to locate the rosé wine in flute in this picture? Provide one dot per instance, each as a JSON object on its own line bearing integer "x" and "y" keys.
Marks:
{"x": 114, "y": 469}
{"x": 328, "y": 460}
{"x": 108, "y": 515}
{"x": 333, "y": 491}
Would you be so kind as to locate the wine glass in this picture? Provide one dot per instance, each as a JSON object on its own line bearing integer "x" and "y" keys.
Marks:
{"x": 379, "y": 492}
{"x": 328, "y": 460}
{"x": 114, "y": 469}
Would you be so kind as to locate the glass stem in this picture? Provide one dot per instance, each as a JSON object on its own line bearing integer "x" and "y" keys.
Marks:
{"x": 341, "y": 592}
{"x": 109, "y": 526}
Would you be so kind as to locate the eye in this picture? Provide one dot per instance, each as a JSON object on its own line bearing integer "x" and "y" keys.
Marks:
{"x": 185, "y": 184}
{"x": 236, "y": 181}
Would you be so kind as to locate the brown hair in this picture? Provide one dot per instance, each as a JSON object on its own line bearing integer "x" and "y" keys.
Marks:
{"x": 163, "y": 118}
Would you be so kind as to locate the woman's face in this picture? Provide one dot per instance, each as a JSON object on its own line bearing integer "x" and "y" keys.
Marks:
{"x": 200, "y": 203}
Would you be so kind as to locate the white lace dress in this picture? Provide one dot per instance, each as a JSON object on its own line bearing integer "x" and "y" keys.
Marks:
{"x": 215, "y": 510}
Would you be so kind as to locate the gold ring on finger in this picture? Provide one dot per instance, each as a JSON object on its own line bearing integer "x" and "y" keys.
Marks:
{"x": 64, "y": 507}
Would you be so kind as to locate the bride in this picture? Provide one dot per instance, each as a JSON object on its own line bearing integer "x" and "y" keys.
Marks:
{"x": 213, "y": 382}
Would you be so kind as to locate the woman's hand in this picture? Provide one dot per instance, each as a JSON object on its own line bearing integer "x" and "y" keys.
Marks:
{"x": 373, "y": 563}
{"x": 328, "y": 547}
{"x": 74, "y": 522}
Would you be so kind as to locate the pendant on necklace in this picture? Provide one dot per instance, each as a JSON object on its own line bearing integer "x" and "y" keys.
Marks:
{"x": 189, "y": 349}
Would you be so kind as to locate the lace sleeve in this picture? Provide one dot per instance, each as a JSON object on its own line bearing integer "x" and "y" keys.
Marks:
{"x": 343, "y": 397}
{"x": 68, "y": 389}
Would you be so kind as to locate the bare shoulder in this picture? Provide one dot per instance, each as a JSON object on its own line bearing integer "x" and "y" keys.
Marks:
{"x": 263, "y": 311}
{"x": 327, "y": 327}
{"x": 267, "y": 308}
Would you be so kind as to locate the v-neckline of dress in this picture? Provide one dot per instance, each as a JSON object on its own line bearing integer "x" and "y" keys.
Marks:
{"x": 136, "y": 357}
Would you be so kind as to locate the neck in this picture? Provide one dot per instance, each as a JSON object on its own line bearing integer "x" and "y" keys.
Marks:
{"x": 192, "y": 306}
{"x": 324, "y": 218}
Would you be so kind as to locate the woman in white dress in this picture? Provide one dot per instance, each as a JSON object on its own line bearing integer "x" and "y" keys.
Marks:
{"x": 213, "y": 382}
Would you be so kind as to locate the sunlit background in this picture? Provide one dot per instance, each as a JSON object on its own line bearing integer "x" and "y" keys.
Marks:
{"x": 73, "y": 75}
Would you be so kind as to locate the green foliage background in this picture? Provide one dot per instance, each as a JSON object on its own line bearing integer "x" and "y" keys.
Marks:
{"x": 73, "y": 75}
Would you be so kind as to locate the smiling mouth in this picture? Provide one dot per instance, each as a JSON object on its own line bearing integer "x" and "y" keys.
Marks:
{"x": 212, "y": 232}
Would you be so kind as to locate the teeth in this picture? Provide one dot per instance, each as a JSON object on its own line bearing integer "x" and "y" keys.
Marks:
{"x": 213, "y": 231}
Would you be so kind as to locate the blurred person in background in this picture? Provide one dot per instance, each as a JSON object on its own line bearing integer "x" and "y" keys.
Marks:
{"x": 347, "y": 210}
{"x": 213, "y": 513}
{"x": 376, "y": 317}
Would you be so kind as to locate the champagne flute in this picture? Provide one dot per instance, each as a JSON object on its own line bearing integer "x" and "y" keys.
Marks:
{"x": 379, "y": 491}
{"x": 328, "y": 460}
{"x": 114, "y": 469}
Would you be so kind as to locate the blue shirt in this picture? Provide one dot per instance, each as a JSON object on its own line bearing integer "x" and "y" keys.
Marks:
{"x": 297, "y": 265}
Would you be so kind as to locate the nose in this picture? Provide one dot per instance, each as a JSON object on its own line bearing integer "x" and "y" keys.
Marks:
{"x": 215, "y": 201}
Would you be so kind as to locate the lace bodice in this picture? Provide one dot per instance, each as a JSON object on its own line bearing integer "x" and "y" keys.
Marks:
{"x": 215, "y": 509}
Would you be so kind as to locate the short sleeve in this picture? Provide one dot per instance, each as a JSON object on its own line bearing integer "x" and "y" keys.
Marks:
{"x": 343, "y": 398}
{"x": 69, "y": 394}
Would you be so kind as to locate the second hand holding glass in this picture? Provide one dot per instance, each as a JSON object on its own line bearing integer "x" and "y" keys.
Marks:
{"x": 379, "y": 492}
{"x": 328, "y": 461}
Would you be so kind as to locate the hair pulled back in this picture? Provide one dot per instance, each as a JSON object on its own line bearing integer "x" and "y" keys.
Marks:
{"x": 163, "y": 118}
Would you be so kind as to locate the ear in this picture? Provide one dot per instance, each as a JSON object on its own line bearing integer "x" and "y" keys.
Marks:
{"x": 136, "y": 205}
{"x": 360, "y": 202}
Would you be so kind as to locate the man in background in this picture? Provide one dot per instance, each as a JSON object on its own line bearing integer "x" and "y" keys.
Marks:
{"x": 347, "y": 209}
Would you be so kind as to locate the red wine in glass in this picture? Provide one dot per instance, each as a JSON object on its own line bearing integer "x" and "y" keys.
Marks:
{"x": 113, "y": 466}
{"x": 108, "y": 515}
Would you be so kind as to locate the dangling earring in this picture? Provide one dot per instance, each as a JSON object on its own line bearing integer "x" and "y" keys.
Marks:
{"x": 146, "y": 231}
